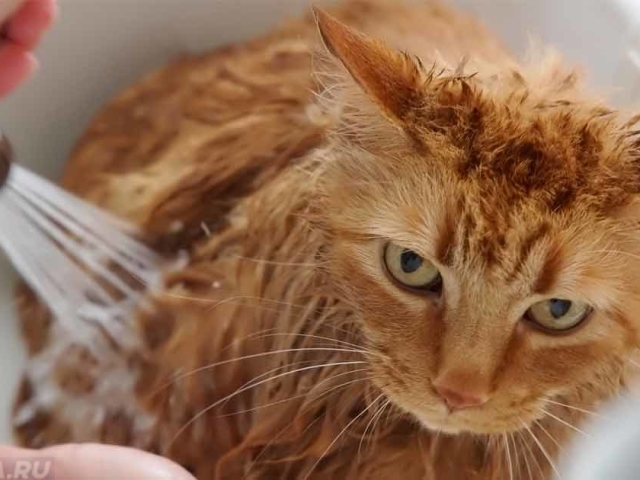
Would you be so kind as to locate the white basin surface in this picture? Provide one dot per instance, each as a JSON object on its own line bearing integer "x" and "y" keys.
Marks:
{"x": 100, "y": 46}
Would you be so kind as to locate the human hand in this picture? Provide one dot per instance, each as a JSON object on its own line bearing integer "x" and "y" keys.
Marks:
{"x": 87, "y": 462}
{"x": 20, "y": 31}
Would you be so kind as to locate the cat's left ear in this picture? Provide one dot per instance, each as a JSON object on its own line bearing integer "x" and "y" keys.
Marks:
{"x": 390, "y": 78}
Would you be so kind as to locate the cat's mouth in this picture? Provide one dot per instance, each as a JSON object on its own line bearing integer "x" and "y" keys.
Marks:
{"x": 504, "y": 412}
{"x": 492, "y": 418}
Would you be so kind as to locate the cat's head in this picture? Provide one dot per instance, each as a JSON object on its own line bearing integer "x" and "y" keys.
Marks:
{"x": 486, "y": 230}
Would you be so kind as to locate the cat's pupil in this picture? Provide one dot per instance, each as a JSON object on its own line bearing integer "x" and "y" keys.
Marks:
{"x": 559, "y": 308}
{"x": 410, "y": 261}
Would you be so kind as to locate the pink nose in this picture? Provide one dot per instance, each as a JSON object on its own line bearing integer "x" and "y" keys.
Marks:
{"x": 461, "y": 391}
{"x": 460, "y": 399}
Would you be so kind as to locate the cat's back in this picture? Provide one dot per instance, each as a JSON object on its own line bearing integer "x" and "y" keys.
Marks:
{"x": 181, "y": 146}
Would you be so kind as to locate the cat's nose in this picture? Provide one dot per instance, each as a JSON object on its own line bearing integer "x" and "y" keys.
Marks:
{"x": 458, "y": 394}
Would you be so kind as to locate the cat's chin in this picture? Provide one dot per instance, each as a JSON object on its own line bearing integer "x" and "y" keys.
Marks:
{"x": 453, "y": 425}
{"x": 478, "y": 424}
{"x": 456, "y": 427}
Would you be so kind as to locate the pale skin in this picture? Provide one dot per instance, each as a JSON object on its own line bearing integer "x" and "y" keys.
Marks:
{"x": 22, "y": 31}
{"x": 92, "y": 461}
{"x": 20, "y": 34}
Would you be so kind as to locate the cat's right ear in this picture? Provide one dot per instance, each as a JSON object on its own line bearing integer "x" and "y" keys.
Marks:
{"x": 390, "y": 78}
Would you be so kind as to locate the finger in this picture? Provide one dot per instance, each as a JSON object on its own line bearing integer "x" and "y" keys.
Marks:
{"x": 16, "y": 66}
{"x": 31, "y": 20}
{"x": 101, "y": 462}
{"x": 8, "y": 8}
{"x": 111, "y": 462}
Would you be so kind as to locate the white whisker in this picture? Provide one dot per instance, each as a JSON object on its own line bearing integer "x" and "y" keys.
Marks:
{"x": 518, "y": 436}
{"x": 533, "y": 455}
{"x": 369, "y": 423}
{"x": 567, "y": 424}
{"x": 340, "y": 435}
{"x": 275, "y": 263}
{"x": 276, "y": 437}
{"x": 252, "y": 356}
{"x": 259, "y": 299}
{"x": 548, "y": 434}
{"x": 316, "y": 337}
{"x": 249, "y": 387}
{"x": 543, "y": 450}
{"x": 515, "y": 454}
{"x": 571, "y": 407}
{"x": 634, "y": 363}
{"x": 508, "y": 453}
{"x": 377, "y": 421}
{"x": 303, "y": 395}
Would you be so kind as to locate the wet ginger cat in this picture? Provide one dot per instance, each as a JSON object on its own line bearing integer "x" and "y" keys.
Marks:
{"x": 427, "y": 272}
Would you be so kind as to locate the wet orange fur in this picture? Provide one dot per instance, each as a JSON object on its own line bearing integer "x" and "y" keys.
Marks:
{"x": 510, "y": 178}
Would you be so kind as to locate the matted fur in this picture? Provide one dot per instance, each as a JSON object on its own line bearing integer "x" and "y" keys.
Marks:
{"x": 282, "y": 350}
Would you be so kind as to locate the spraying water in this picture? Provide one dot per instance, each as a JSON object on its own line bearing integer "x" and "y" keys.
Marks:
{"x": 85, "y": 264}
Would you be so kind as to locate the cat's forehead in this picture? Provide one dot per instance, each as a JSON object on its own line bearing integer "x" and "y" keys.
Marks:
{"x": 494, "y": 233}
{"x": 525, "y": 170}
{"x": 559, "y": 154}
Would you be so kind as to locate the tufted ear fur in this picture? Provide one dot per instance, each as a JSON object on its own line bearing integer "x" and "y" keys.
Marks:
{"x": 390, "y": 78}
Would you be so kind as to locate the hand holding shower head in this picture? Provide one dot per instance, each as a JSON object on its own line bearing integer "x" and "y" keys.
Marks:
{"x": 6, "y": 158}
{"x": 84, "y": 263}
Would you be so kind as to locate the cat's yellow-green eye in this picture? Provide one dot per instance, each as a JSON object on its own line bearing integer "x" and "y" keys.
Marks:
{"x": 557, "y": 314}
{"x": 410, "y": 269}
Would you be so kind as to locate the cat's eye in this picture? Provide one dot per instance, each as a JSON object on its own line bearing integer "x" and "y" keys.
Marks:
{"x": 557, "y": 314}
{"x": 411, "y": 270}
